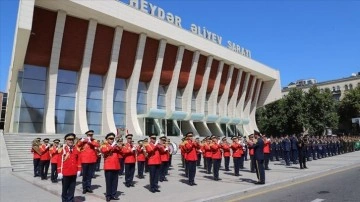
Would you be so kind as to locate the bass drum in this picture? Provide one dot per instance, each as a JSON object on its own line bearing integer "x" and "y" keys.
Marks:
{"x": 173, "y": 148}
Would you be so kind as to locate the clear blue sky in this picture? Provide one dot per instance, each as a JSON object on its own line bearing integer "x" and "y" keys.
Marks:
{"x": 302, "y": 39}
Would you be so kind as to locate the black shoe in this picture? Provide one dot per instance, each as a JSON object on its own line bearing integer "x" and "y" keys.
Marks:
{"x": 192, "y": 184}
{"x": 152, "y": 190}
{"x": 267, "y": 169}
{"x": 89, "y": 190}
{"x": 115, "y": 198}
{"x": 165, "y": 179}
{"x": 132, "y": 185}
{"x": 108, "y": 198}
{"x": 127, "y": 185}
{"x": 301, "y": 168}
{"x": 84, "y": 191}
{"x": 258, "y": 183}
{"x": 161, "y": 180}
{"x": 237, "y": 175}
{"x": 157, "y": 190}
{"x": 306, "y": 167}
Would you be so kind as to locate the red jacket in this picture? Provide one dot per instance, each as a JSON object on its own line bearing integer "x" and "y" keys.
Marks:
{"x": 207, "y": 149}
{"x": 140, "y": 153}
{"x": 88, "y": 150}
{"x": 68, "y": 162}
{"x": 111, "y": 159}
{"x": 45, "y": 154}
{"x": 237, "y": 149}
{"x": 164, "y": 153}
{"x": 54, "y": 153}
{"x": 129, "y": 154}
{"x": 35, "y": 154}
{"x": 267, "y": 147}
{"x": 190, "y": 149}
{"x": 216, "y": 153}
{"x": 226, "y": 149}
{"x": 153, "y": 154}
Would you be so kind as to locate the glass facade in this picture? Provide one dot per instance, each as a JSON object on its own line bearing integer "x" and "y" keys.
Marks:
{"x": 94, "y": 102}
{"x": 178, "y": 100}
{"x": 161, "y": 100}
{"x": 120, "y": 103}
{"x": 65, "y": 101}
{"x": 141, "y": 103}
{"x": 193, "y": 102}
{"x": 30, "y": 100}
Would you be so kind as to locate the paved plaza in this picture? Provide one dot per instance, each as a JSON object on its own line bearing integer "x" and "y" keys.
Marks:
{"x": 22, "y": 186}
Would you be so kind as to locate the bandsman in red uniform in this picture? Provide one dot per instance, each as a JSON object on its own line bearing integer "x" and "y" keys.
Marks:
{"x": 216, "y": 156}
{"x": 141, "y": 157}
{"x": 237, "y": 150}
{"x": 44, "y": 158}
{"x": 54, "y": 154}
{"x": 267, "y": 145}
{"x": 250, "y": 144}
{"x": 36, "y": 156}
{"x": 208, "y": 155}
{"x": 164, "y": 156}
{"x": 121, "y": 157}
{"x": 129, "y": 153}
{"x": 191, "y": 147}
{"x": 88, "y": 154}
{"x": 110, "y": 150}
{"x": 225, "y": 145}
{"x": 68, "y": 167}
{"x": 154, "y": 162}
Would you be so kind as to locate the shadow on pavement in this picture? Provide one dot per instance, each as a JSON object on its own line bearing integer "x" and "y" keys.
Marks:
{"x": 96, "y": 186}
{"x": 248, "y": 180}
{"x": 79, "y": 198}
{"x": 184, "y": 181}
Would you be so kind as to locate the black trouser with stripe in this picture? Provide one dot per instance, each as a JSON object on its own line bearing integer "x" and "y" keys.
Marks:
{"x": 191, "y": 166}
{"x": 87, "y": 174}
{"x": 236, "y": 161}
{"x": 154, "y": 176}
{"x": 54, "y": 172}
{"x": 36, "y": 163}
{"x": 111, "y": 180}
{"x": 129, "y": 173}
{"x": 260, "y": 171}
{"x": 227, "y": 162}
{"x": 141, "y": 166}
{"x": 68, "y": 188}
{"x": 44, "y": 167}
{"x": 208, "y": 164}
{"x": 216, "y": 165}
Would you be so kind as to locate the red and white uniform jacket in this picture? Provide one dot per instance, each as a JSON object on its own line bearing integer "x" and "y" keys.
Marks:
{"x": 88, "y": 150}
{"x": 68, "y": 161}
{"x": 111, "y": 158}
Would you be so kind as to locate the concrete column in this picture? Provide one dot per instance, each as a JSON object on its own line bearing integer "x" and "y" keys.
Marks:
{"x": 132, "y": 122}
{"x": 201, "y": 97}
{"x": 240, "y": 105}
{"x": 253, "y": 107}
{"x": 188, "y": 91}
{"x": 108, "y": 123}
{"x": 247, "y": 127}
{"x": 212, "y": 102}
{"x": 225, "y": 96}
{"x": 154, "y": 83}
{"x": 80, "y": 121}
{"x": 49, "y": 111}
{"x": 172, "y": 88}
{"x": 234, "y": 97}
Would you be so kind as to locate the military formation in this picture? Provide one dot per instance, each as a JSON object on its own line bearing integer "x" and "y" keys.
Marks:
{"x": 82, "y": 156}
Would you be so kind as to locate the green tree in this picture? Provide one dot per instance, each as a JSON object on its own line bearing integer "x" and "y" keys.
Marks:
{"x": 294, "y": 112}
{"x": 349, "y": 108}
{"x": 270, "y": 118}
{"x": 320, "y": 111}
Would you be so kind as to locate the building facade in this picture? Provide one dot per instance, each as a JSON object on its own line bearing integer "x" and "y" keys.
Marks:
{"x": 108, "y": 65}
{"x": 338, "y": 87}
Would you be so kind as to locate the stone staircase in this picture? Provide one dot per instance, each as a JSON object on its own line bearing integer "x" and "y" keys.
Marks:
{"x": 19, "y": 148}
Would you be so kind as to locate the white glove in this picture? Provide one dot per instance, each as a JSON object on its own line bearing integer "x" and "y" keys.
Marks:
{"x": 219, "y": 141}
{"x": 78, "y": 174}
{"x": 113, "y": 144}
{"x": 47, "y": 146}
{"x": 89, "y": 139}
{"x": 82, "y": 139}
{"x": 157, "y": 142}
{"x": 166, "y": 148}
{"x": 60, "y": 176}
{"x": 133, "y": 148}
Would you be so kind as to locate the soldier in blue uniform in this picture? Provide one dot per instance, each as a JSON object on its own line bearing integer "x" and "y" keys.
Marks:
{"x": 287, "y": 147}
{"x": 294, "y": 149}
{"x": 259, "y": 158}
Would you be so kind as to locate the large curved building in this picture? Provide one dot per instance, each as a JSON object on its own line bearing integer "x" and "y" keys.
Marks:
{"x": 111, "y": 64}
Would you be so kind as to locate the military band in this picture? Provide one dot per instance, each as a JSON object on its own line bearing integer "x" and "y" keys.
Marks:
{"x": 69, "y": 159}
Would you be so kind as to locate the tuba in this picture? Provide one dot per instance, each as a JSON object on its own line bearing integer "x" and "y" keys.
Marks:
{"x": 36, "y": 146}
